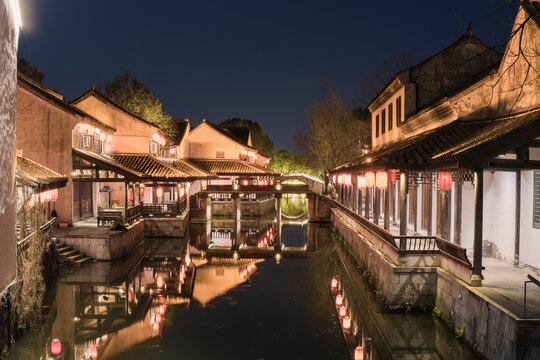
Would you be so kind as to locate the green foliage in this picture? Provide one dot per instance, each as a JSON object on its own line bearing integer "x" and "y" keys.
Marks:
{"x": 293, "y": 206}
{"x": 259, "y": 140}
{"x": 449, "y": 321}
{"x": 284, "y": 162}
{"x": 28, "y": 70}
{"x": 134, "y": 96}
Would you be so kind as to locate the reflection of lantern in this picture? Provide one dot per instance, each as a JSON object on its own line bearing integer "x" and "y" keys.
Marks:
{"x": 342, "y": 311}
{"x": 339, "y": 299}
{"x": 361, "y": 181}
{"x": 56, "y": 346}
{"x": 158, "y": 317}
{"x": 334, "y": 283}
{"x": 370, "y": 179}
{"x": 104, "y": 337}
{"x": 159, "y": 281}
{"x": 93, "y": 351}
{"x": 382, "y": 180}
{"x": 359, "y": 353}
{"x": 155, "y": 326}
{"x": 445, "y": 180}
{"x": 347, "y": 322}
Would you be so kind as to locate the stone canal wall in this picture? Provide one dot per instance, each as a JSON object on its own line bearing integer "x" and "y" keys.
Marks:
{"x": 247, "y": 208}
{"x": 166, "y": 227}
{"x": 415, "y": 285}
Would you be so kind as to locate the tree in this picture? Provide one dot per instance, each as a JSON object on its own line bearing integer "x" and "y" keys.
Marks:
{"x": 282, "y": 162}
{"x": 134, "y": 96}
{"x": 28, "y": 70}
{"x": 333, "y": 136}
{"x": 260, "y": 141}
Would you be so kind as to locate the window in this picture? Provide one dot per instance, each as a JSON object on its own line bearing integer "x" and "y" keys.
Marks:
{"x": 536, "y": 200}
{"x": 153, "y": 147}
{"x": 163, "y": 153}
{"x": 398, "y": 110}
{"x": 98, "y": 146}
{"x": 220, "y": 154}
{"x": 383, "y": 121}
{"x": 377, "y": 126}
{"x": 390, "y": 116}
{"x": 86, "y": 141}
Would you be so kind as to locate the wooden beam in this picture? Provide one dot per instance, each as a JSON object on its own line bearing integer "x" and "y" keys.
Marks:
{"x": 518, "y": 218}
{"x": 476, "y": 278}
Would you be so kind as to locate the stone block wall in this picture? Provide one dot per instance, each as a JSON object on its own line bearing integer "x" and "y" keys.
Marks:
{"x": 166, "y": 227}
{"x": 248, "y": 208}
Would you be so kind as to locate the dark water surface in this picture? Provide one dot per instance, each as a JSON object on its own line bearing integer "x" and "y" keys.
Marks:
{"x": 209, "y": 300}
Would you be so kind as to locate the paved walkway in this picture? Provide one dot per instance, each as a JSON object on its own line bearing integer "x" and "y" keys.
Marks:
{"x": 504, "y": 284}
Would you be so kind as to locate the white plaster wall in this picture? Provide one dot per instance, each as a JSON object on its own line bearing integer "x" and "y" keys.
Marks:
{"x": 9, "y": 37}
{"x": 395, "y": 134}
{"x": 205, "y": 141}
{"x": 499, "y": 212}
{"x": 529, "y": 250}
{"x": 467, "y": 217}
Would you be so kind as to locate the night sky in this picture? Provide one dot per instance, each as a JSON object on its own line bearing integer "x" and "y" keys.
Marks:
{"x": 261, "y": 60}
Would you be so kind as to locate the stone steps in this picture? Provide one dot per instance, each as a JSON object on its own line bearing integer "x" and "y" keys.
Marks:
{"x": 69, "y": 256}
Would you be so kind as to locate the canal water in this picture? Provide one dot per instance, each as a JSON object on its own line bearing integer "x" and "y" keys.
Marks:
{"x": 210, "y": 299}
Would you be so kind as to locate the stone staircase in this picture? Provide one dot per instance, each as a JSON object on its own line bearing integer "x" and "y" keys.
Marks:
{"x": 69, "y": 256}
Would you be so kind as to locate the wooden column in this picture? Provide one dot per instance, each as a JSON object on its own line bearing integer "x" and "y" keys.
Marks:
{"x": 367, "y": 203}
{"x": 359, "y": 201}
{"x": 457, "y": 213}
{"x": 376, "y": 204}
{"x": 518, "y": 218}
{"x": 430, "y": 206}
{"x": 476, "y": 278}
{"x": 394, "y": 207}
{"x": 125, "y": 200}
{"x": 445, "y": 214}
{"x": 403, "y": 187}
{"x": 387, "y": 207}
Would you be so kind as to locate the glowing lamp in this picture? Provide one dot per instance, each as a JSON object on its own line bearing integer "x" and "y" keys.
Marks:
{"x": 370, "y": 179}
{"x": 56, "y": 347}
{"x": 155, "y": 326}
{"x": 342, "y": 311}
{"x": 158, "y": 317}
{"x": 347, "y": 322}
{"x": 339, "y": 299}
{"x": 104, "y": 337}
{"x": 162, "y": 308}
{"x": 334, "y": 178}
{"x": 445, "y": 180}
{"x": 334, "y": 283}
{"x": 159, "y": 192}
{"x": 159, "y": 282}
{"x": 340, "y": 179}
{"x": 131, "y": 296}
{"x": 382, "y": 180}
{"x": 359, "y": 353}
{"x": 361, "y": 181}
{"x": 93, "y": 351}
{"x": 347, "y": 179}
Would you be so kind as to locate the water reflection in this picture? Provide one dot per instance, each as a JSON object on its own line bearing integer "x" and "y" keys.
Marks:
{"x": 294, "y": 206}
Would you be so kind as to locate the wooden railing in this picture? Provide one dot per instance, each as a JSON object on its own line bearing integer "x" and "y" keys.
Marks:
{"x": 22, "y": 245}
{"x": 412, "y": 243}
{"x": 164, "y": 210}
{"x": 133, "y": 214}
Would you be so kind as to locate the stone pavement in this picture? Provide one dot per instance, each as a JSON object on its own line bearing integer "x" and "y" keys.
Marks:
{"x": 504, "y": 284}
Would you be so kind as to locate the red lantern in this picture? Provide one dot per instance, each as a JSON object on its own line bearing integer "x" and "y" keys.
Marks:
{"x": 334, "y": 179}
{"x": 159, "y": 282}
{"x": 347, "y": 322}
{"x": 159, "y": 192}
{"x": 54, "y": 195}
{"x": 370, "y": 179}
{"x": 348, "y": 180}
{"x": 393, "y": 175}
{"x": 56, "y": 347}
{"x": 334, "y": 283}
{"x": 340, "y": 179}
{"x": 445, "y": 180}
{"x": 339, "y": 299}
{"x": 342, "y": 311}
{"x": 93, "y": 351}
{"x": 359, "y": 353}
{"x": 155, "y": 326}
{"x": 382, "y": 180}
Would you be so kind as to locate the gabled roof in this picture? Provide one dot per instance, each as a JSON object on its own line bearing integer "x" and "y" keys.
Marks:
{"x": 241, "y": 133}
{"x": 181, "y": 126}
{"x": 224, "y": 132}
{"x": 231, "y": 167}
{"x": 57, "y": 99}
{"x": 37, "y": 174}
{"x": 93, "y": 92}
{"x": 107, "y": 162}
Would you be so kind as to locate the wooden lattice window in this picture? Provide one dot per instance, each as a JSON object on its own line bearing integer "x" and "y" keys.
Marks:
{"x": 398, "y": 110}
{"x": 536, "y": 200}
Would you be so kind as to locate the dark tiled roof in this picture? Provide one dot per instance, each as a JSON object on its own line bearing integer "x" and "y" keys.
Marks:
{"x": 241, "y": 133}
{"x": 38, "y": 174}
{"x": 459, "y": 144}
{"x": 191, "y": 169}
{"x": 231, "y": 167}
{"x": 415, "y": 152}
{"x": 181, "y": 126}
{"x": 150, "y": 166}
{"x": 107, "y": 163}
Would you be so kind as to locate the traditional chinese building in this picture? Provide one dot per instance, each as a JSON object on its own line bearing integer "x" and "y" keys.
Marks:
{"x": 456, "y": 149}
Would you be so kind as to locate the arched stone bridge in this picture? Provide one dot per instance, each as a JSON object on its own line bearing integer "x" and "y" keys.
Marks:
{"x": 314, "y": 184}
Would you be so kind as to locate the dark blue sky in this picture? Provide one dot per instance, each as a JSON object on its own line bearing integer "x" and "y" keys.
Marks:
{"x": 261, "y": 60}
